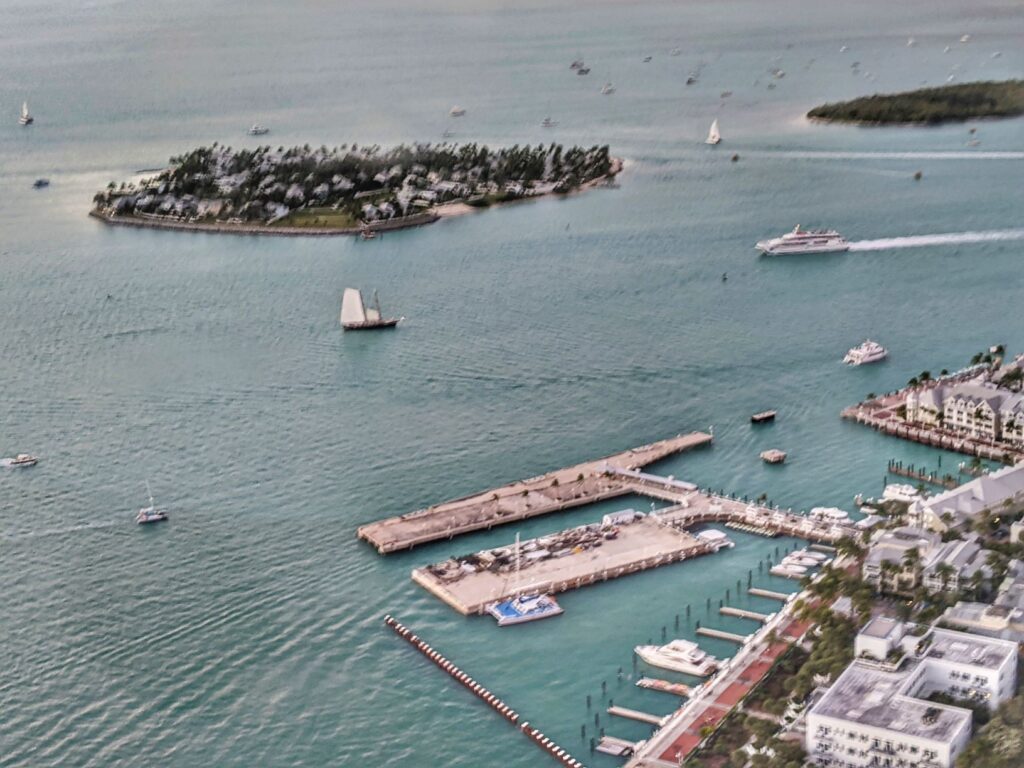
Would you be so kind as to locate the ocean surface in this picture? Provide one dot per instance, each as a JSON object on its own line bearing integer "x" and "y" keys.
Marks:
{"x": 248, "y": 630}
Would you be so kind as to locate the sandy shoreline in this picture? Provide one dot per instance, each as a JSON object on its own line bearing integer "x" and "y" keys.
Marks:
{"x": 443, "y": 211}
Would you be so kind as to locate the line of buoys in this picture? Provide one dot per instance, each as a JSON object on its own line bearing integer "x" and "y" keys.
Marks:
{"x": 489, "y": 698}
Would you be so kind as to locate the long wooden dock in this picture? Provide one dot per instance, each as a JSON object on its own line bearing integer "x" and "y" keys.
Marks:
{"x": 722, "y": 635}
{"x": 609, "y": 745}
{"x": 633, "y": 714}
{"x": 728, "y": 610}
{"x": 758, "y": 592}
{"x": 654, "y": 684}
{"x": 551, "y": 492}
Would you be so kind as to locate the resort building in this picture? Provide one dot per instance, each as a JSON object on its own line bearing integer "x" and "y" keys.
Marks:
{"x": 878, "y": 713}
{"x": 979, "y": 410}
{"x": 939, "y": 565}
{"x": 1004, "y": 618}
{"x": 998, "y": 492}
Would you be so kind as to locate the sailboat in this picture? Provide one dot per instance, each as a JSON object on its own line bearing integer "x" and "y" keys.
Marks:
{"x": 355, "y": 316}
{"x": 150, "y": 514}
{"x": 714, "y": 137}
{"x": 26, "y": 118}
{"x": 523, "y": 607}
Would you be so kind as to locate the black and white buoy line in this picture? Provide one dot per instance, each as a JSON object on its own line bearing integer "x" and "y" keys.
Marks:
{"x": 489, "y": 698}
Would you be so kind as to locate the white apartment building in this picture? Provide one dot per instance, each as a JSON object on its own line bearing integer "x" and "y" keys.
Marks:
{"x": 876, "y": 714}
{"x": 978, "y": 409}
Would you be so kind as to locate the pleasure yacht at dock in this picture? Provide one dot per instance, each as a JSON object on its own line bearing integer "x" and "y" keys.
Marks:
{"x": 804, "y": 241}
{"x": 678, "y": 656}
{"x": 868, "y": 352}
{"x": 523, "y": 607}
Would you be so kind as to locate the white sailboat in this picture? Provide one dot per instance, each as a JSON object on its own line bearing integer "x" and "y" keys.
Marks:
{"x": 150, "y": 514}
{"x": 356, "y": 316}
{"x": 26, "y": 118}
{"x": 523, "y": 607}
{"x": 714, "y": 137}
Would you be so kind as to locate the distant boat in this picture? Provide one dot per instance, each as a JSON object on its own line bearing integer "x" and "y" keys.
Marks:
{"x": 26, "y": 118}
{"x": 355, "y": 316}
{"x": 21, "y": 460}
{"x": 583, "y": 71}
{"x": 691, "y": 79}
{"x": 868, "y": 352}
{"x": 456, "y": 111}
{"x": 763, "y": 417}
{"x": 714, "y": 137}
{"x": 576, "y": 64}
{"x": 40, "y": 183}
{"x": 674, "y": 52}
{"x": 447, "y": 133}
{"x": 547, "y": 122}
{"x": 647, "y": 59}
{"x": 607, "y": 89}
{"x": 150, "y": 514}
{"x": 258, "y": 130}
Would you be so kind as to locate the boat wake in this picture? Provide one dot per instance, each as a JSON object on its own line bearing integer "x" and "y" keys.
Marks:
{"x": 952, "y": 238}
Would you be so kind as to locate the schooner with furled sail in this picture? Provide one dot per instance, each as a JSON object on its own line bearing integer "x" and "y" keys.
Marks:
{"x": 356, "y": 316}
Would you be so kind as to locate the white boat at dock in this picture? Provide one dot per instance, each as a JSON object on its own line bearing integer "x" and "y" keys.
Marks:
{"x": 717, "y": 539}
{"x": 678, "y": 656}
{"x": 789, "y": 571}
{"x": 868, "y": 352}
{"x": 830, "y": 515}
{"x": 355, "y": 316}
{"x": 804, "y": 241}
{"x": 524, "y": 607}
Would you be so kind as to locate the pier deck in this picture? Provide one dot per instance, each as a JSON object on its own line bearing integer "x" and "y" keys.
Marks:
{"x": 633, "y": 714}
{"x": 723, "y": 635}
{"x": 561, "y": 489}
{"x": 728, "y": 610}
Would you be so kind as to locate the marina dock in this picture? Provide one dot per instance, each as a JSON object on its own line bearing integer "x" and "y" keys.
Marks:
{"x": 654, "y": 684}
{"x": 758, "y": 592}
{"x": 471, "y": 582}
{"x": 551, "y": 492}
{"x": 728, "y": 610}
{"x": 610, "y": 745}
{"x": 633, "y": 714}
{"x": 722, "y": 635}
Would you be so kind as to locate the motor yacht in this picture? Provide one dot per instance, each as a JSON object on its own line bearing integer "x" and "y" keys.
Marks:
{"x": 22, "y": 460}
{"x": 804, "y": 241}
{"x": 678, "y": 656}
{"x": 868, "y": 352}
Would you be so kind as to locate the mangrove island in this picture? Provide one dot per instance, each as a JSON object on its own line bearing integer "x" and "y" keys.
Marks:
{"x": 344, "y": 190}
{"x": 930, "y": 106}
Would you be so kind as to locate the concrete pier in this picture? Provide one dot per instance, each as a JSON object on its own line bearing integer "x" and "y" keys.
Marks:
{"x": 551, "y": 492}
{"x": 610, "y": 745}
{"x": 728, "y": 610}
{"x": 722, "y": 635}
{"x": 633, "y": 714}
{"x": 654, "y": 684}
{"x": 758, "y": 592}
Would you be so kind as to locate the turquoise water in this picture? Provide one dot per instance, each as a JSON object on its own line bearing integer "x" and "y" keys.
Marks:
{"x": 248, "y": 630}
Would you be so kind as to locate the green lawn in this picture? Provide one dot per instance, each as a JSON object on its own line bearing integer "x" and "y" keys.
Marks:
{"x": 318, "y": 218}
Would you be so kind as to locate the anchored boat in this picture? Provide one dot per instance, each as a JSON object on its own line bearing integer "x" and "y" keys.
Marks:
{"x": 714, "y": 135}
{"x": 355, "y": 316}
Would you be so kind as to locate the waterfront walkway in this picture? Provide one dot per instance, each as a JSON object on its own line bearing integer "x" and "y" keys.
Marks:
{"x": 551, "y": 492}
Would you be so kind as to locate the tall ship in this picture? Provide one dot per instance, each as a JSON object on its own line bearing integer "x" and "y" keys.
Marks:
{"x": 26, "y": 118}
{"x": 804, "y": 241}
{"x": 868, "y": 352}
{"x": 523, "y": 607}
{"x": 356, "y": 316}
{"x": 678, "y": 656}
{"x": 714, "y": 135}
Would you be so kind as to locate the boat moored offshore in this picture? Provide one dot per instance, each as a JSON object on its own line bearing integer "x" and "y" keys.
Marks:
{"x": 150, "y": 514}
{"x": 714, "y": 135}
{"x": 355, "y": 316}
{"x": 804, "y": 241}
{"x": 678, "y": 656}
{"x": 868, "y": 352}
{"x": 258, "y": 130}
{"x": 26, "y": 118}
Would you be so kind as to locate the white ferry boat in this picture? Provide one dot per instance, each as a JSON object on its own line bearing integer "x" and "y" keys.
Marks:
{"x": 868, "y": 352}
{"x": 804, "y": 241}
{"x": 524, "y": 608}
{"x": 678, "y": 656}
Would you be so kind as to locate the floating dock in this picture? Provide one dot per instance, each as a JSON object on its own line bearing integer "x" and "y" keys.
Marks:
{"x": 485, "y": 695}
{"x": 561, "y": 489}
{"x": 728, "y": 610}
{"x": 758, "y": 592}
{"x": 654, "y": 684}
{"x": 722, "y": 635}
{"x": 633, "y": 714}
{"x": 610, "y": 745}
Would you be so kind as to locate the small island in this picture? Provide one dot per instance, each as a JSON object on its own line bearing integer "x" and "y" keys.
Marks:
{"x": 929, "y": 106}
{"x": 345, "y": 190}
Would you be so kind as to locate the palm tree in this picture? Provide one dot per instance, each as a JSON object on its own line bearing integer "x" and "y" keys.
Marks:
{"x": 945, "y": 571}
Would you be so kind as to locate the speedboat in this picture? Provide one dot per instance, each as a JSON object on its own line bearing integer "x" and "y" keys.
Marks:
{"x": 26, "y": 118}
{"x": 678, "y": 656}
{"x": 258, "y": 130}
{"x": 519, "y": 610}
{"x": 868, "y": 352}
{"x": 607, "y": 89}
{"x": 547, "y": 122}
{"x": 804, "y": 241}
{"x": 22, "y": 460}
{"x": 456, "y": 111}
{"x": 150, "y": 514}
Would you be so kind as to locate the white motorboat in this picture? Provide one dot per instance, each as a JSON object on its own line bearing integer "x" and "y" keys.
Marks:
{"x": 26, "y": 118}
{"x": 830, "y": 515}
{"x": 804, "y": 241}
{"x": 150, "y": 514}
{"x": 21, "y": 460}
{"x": 456, "y": 111}
{"x": 678, "y": 656}
{"x": 607, "y": 89}
{"x": 868, "y": 352}
{"x": 714, "y": 135}
{"x": 258, "y": 130}
{"x": 717, "y": 539}
{"x": 547, "y": 122}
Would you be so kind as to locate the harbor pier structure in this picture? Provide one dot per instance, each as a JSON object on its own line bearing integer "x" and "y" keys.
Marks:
{"x": 551, "y": 492}
{"x": 471, "y": 583}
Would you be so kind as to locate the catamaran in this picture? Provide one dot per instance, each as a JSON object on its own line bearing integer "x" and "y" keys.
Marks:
{"x": 150, "y": 514}
{"x": 868, "y": 352}
{"x": 355, "y": 316}
{"x": 714, "y": 137}
{"x": 678, "y": 656}
{"x": 26, "y": 118}
{"x": 523, "y": 607}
